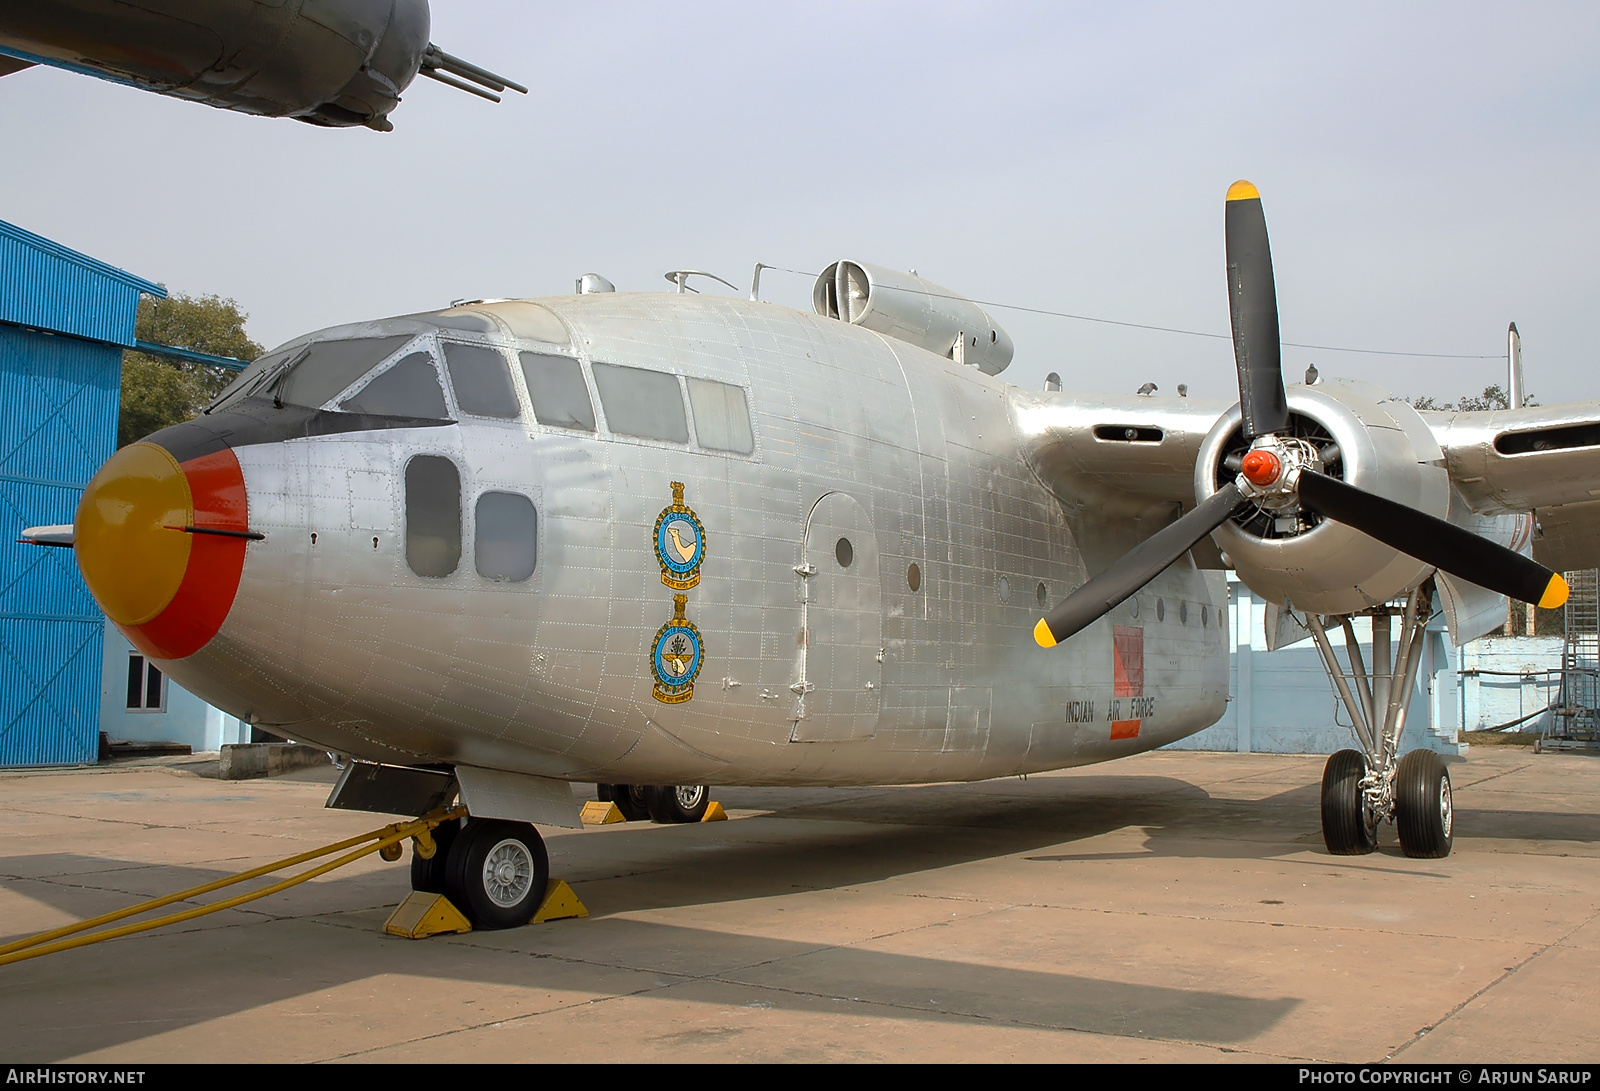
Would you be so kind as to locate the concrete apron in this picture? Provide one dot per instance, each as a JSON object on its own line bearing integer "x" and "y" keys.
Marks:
{"x": 1172, "y": 906}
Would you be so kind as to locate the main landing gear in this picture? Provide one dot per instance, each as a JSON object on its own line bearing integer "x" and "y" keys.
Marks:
{"x": 1361, "y": 788}
{"x": 496, "y": 872}
{"x": 658, "y": 802}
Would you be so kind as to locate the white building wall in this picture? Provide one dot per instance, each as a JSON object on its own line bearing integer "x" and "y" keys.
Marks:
{"x": 185, "y": 719}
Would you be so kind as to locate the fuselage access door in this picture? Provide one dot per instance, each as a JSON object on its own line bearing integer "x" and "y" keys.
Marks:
{"x": 839, "y": 688}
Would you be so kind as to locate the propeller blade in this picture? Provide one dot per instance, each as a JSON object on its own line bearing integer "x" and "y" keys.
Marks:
{"x": 1134, "y": 569}
{"x": 1444, "y": 545}
{"x": 1253, "y": 305}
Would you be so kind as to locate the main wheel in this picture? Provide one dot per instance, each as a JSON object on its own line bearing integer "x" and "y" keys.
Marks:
{"x": 428, "y": 875}
{"x": 498, "y": 872}
{"x": 1349, "y": 828}
{"x": 1423, "y": 808}
{"x": 677, "y": 802}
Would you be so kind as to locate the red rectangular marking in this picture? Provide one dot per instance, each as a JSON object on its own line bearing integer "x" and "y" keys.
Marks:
{"x": 1127, "y": 661}
{"x": 1124, "y": 729}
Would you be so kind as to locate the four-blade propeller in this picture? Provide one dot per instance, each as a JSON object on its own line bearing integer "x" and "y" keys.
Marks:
{"x": 1283, "y": 474}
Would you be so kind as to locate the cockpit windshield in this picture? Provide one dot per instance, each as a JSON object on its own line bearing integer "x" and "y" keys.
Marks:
{"x": 312, "y": 374}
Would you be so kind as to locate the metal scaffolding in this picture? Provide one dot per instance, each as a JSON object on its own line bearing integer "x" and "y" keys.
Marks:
{"x": 1574, "y": 722}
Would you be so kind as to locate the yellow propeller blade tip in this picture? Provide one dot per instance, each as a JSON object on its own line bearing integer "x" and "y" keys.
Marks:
{"x": 1043, "y": 636}
{"x": 1555, "y": 592}
{"x": 1243, "y": 191}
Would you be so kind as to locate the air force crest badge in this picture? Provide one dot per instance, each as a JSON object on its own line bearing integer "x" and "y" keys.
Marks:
{"x": 680, "y": 542}
{"x": 676, "y": 656}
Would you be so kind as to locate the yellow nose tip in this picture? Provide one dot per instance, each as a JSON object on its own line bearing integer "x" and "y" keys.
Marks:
{"x": 1243, "y": 191}
{"x": 131, "y": 560}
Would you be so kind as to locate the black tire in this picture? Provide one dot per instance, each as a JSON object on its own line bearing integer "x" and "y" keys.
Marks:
{"x": 677, "y": 802}
{"x": 629, "y": 799}
{"x": 428, "y": 875}
{"x": 1348, "y": 826}
{"x": 498, "y": 872}
{"x": 1424, "y": 811}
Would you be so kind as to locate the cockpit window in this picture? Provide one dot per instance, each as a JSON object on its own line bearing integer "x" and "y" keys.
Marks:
{"x": 641, "y": 403}
{"x": 252, "y": 378}
{"x": 327, "y": 367}
{"x": 721, "y": 418}
{"x": 482, "y": 380}
{"x": 408, "y": 389}
{"x": 560, "y": 398}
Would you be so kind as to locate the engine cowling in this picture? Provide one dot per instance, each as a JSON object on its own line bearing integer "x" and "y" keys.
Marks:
{"x": 1365, "y": 437}
{"x": 908, "y": 308}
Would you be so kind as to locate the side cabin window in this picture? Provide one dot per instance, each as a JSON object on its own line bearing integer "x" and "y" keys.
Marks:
{"x": 433, "y": 515}
{"x": 646, "y": 404}
{"x": 482, "y": 380}
{"x": 721, "y": 418}
{"x": 410, "y": 388}
{"x": 556, "y": 387}
{"x": 327, "y": 367}
{"x": 506, "y": 542}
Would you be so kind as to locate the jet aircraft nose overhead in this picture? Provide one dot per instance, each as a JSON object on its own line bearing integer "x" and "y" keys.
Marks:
{"x": 161, "y": 545}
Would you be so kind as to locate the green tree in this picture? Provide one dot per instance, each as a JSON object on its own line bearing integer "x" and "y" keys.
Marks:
{"x": 157, "y": 392}
{"x": 1494, "y": 396}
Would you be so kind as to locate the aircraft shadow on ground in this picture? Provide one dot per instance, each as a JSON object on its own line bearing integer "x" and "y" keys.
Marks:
{"x": 69, "y": 1004}
{"x": 825, "y": 840}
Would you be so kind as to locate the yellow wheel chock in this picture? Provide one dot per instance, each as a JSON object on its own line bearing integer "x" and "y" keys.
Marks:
{"x": 422, "y": 915}
{"x": 559, "y": 900}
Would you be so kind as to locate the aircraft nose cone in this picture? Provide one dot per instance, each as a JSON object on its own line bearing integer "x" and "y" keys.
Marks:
{"x": 161, "y": 545}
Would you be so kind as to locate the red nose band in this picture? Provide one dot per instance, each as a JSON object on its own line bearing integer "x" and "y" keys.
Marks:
{"x": 1261, "y": 468}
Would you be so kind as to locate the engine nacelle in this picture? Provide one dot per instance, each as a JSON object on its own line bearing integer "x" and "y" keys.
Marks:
{"x": 910, "y": 309}
{"x": 1369, "y": 439}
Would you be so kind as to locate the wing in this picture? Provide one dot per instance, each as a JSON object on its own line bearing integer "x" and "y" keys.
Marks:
{"x": 1543, "y": 459}
{"x": 1122, "y": 466}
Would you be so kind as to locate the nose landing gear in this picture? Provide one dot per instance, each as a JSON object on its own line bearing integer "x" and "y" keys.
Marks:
{"x": 666, "y": 803}
{"x": 495, "y": 872}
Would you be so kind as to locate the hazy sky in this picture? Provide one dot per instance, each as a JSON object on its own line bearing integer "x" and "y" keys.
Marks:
{"x": 1429, "y": 172}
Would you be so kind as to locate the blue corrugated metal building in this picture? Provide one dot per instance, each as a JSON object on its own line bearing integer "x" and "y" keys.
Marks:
{"x": 64, "y": 320}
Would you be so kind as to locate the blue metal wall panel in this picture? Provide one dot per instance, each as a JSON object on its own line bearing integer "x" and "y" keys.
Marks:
{"x": 58, "y": 407}
{"x": 45, "y": 285}
{"x": 50, "y": 699}
{"x": 58, "y": 423}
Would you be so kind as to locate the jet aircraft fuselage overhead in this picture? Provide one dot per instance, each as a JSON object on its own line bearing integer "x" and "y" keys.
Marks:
{"x": 335, "y": 63}
{"x": 658, "y": 542}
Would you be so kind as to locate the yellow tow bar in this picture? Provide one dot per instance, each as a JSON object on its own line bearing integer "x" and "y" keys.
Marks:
{"x": 386, "y": 842}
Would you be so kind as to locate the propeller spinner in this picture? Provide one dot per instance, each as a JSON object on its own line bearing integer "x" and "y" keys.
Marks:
{"x": 1283, "y": 474}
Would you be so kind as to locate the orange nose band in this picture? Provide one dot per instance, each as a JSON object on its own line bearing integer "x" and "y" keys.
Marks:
{"x": 166, "y": 587}
{"x": 1261, "y": 468}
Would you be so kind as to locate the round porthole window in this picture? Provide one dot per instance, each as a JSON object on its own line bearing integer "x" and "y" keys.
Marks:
{"x": 1133, "y": 606}
{"x": 1005, "y": 589}
{"x": 914, "y": 577}
{"x": 1205, "y": 616}
{"x": 1183, "y": 612}
{"x": 1042, "y": 594}
{"x": 845, "y": 552}
{"x": 1161, "y": 609}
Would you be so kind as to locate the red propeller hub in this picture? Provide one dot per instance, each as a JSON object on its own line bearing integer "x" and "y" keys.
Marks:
{"x": 1261, "y": 468}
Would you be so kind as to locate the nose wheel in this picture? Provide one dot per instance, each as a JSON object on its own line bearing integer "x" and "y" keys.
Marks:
{"x": 667, "y": 803}
{"x": 496, "y": 872}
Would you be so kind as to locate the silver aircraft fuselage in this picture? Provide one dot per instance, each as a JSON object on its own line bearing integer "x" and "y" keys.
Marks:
{"x": 871, "y": 573}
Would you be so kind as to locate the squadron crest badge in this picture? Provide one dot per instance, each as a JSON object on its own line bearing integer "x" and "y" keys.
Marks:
{"x": 676, "y": 656}
{"x": 680, "y": 543}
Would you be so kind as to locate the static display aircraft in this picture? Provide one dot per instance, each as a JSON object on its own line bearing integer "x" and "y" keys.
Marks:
{"x": 328, "y": 62}
{"x": 663, "y": 541}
